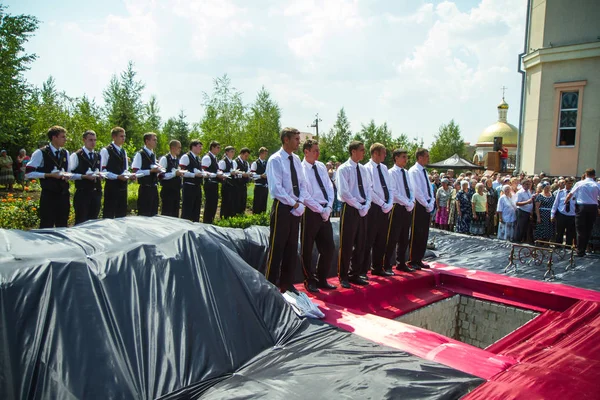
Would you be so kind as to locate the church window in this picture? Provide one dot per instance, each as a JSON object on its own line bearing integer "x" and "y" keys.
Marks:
{"x": 567, "y": 124}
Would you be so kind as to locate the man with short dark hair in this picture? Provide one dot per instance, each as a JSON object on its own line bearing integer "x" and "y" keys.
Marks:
{"x": 287, "y": 186}
{"x": 563, "y": 214}
{"x": 113, "y": 161}
{"x": 424, "y": 202}
{"x": 210, "y": 165}
{"x": 261, "y": 189}
{"x": 84, "y": 165}
{"x": 316, "y": 227}
{"x": 241, "y": 182}
{"x": 170, "y": 180}
{"x": 144, "y": 164}
{"x": 228, "y": 192}
{"x": 587, "y": 195}
{"x": 192, "y": 182}
{"x": 354, "y": 192}
{"x": 49, "y": 165}
{"x": 401, "y": 215}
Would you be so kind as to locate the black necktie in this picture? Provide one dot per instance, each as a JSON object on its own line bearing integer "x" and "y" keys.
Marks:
{"x": 91, "y": 156}
{"x": 406, "y": 187}
{"x": 320, "y": 182}
{"x": 428, "y": 184}
{"x": 57, "y": 154}
{"x": 386, "y": 192}
{"x": 295, "y": 186}
{"x": 361, "y": 189}
{"x": 568, "y": 205}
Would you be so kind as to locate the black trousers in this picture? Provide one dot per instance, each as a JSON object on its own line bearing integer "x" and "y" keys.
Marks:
{"x": 353, "y": 238}
{"x": 227, "y": 200}
{"x": 523, "y": 218}
{"x": 170, "y": 199}
{"x": 241, "y": 198}
{"x": 377, "y": 229}
{"x": 211, "y": 195}
{"x": 397, "y": 237}
{"x": 54, "y": 209}
{"x": 585, "y": 217}
{"x": 564, "y": 223}
{"x": 283, "y": 246}
{"x": 192, "y": 201}
{"x": 259, "y": 204}
{"x": 420, "y": 233}
{"x": 86, "y": 203}
{"x": 147, "y": 201}
{"x": 115, "y": 199}
{"x": 313, "y": 230}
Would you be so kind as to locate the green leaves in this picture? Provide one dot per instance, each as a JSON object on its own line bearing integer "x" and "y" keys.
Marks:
{"x": 448, "y": 141}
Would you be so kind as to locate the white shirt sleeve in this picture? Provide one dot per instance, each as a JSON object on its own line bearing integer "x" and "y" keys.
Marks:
{"x": 104, "y": 156}
{"x": 342, "y": 183}
{"x": 73, "y": 164}
{"x": 274, "y": 176}
{"x": 37, "y": 160}
{"x": 253, "y": 167}
{"x": 222, "y": 165}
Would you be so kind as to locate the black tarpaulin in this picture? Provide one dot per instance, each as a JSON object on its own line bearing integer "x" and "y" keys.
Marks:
{"x": 140, "y": 308}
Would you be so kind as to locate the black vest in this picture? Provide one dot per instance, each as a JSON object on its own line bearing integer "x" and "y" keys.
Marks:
{"x": 244, "y": 167}
{"x": 117, "y": 163}
{"x": 193, "y": 164}
{"x": 147, "y": 162}
{"x": 228, "y": 168}
{"x": 213, "y": 167}
{"x": 51, "y": 162}
{"x": 84, "y": 163}
{"x": 261, "y": 168}
{"x": 175, "y": 182}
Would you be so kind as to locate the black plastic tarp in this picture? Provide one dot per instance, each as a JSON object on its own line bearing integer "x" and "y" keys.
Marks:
{"x": 140, "y": 308}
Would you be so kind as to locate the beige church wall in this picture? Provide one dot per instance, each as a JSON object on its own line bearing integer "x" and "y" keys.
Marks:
{"x": 536, "y": 28}
{"x": 567, "y": 24}
{"x": 530, "y": 123}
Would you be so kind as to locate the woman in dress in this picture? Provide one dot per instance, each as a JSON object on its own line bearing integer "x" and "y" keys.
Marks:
{"x": 22, "y": 160}
{"x": 507, "y": 214}
{"x": 452, "y": 206}
{"x": 544, "y": 229}
{"x": 7, "y": 178}
{"x": 479, "y": 208}
{"x": 442, "y": 200}
{"x": 463, "y": 208}
{"x": 492, "y": 200}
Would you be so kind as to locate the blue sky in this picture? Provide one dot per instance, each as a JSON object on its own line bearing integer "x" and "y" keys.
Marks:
{"x": 412, "y": 64}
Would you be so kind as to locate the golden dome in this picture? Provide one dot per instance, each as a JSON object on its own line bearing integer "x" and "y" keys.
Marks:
{"x": 508, "y": 132}
{"x": 503, "y": 105}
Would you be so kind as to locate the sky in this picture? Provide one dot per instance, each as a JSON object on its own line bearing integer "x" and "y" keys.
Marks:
{"x": 411, "y": 63}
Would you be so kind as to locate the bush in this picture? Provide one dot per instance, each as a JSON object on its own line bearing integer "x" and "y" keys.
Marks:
{"x": 244, "y": 221}
{"x": 19, "y": 213}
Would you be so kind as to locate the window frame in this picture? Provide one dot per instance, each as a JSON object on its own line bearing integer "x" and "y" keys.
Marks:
{"x": 561, "y": 88}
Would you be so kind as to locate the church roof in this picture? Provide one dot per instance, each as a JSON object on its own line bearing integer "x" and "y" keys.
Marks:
{"x": 508, "y": 132}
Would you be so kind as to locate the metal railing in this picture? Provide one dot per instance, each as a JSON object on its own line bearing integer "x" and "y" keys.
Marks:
{"x": 539, "y": 255}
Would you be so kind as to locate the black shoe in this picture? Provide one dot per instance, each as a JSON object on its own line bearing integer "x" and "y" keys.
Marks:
{"x": 404, "y": 267}
{"x": 381, "y": 272}
{"x": 326, "y": 285}
{"x": 358, "y": 281}
{"x": 424, "y": 265}
{"x": 416, "y": 267}
{"x": 311, "y": 287}
{"x": 345, "y": 284}
{"x": 390, "y": 271}
{"x": 364, "y": 277}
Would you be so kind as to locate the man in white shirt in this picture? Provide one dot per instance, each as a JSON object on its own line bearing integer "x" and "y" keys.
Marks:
{"x": 261, "y": 188}
{"x": 424, "y": 202}
{"x": 382, "y": 202}
{"x": 210, "y": 164}
{"x": 144, "y": 163}
{"x": 48, "y": 165}
{"x": 563, "y": 214}
{"x": 315, "y": 225}
{"x": 170, "y": 180}
{"x": 287, "y": 186}
{"x": 354, "y": 192}
{"x": 192, "y": 182}
{"x": 241, "y": 182}
{"x": 228, "y": 166}
{"x": 525, "y": 200}
{"x": 88, "y": 195}
{"x": 113, "y": 161}
{"x": 401, "y": 215}
{"x": 587, "y": 194}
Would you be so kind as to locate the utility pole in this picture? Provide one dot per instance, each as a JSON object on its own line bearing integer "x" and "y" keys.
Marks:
{"x": 315, "y": 124}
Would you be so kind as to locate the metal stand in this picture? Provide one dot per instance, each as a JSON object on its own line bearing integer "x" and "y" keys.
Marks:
{"x": 561, "y": 250}
{"x": 528, "y": 255}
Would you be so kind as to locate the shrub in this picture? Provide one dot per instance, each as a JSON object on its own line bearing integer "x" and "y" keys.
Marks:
{"x": 244, "y": 221}
{"x": 19, "y": 212}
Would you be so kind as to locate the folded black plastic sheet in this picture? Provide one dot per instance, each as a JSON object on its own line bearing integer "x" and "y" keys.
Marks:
{"x": 139, "y": 308}
{"x": 474, "y": 252}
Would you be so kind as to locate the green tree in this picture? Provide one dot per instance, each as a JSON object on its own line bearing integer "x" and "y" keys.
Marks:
{"x": 335, "y": 142}
{"x": 15, "y": 116}
{"x": 50, "y": 107}
{"x": 448, "y": 141}
{"x": 152, "y": 123}
{"x": 87, "y": 115}
{"x": 224, "y": 119}
{"x": 263, "y": 123}
{"x": 410, "y": 145}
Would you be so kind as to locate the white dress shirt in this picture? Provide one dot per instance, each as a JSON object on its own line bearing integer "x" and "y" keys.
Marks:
{"x": 377, "y": 196}
{"x": 207, "y": 160}
{"x": 524, "y": 195}
{"x": 104, "y": 156}
{"x": 164, "y": 164}
{"x": 586, "y": 192}
{"x": 184, "y": 161}
{"x": 397, "y": 175}
{"x": 508, "y": 208}
{"x": 419, "y": 184}
{"x": 222, "y": 165}
{"x": 560, "y": 206}
{"x": 315, "y": 198}
{"x": 37, "y": 160}
{"x": 74, "y": 163}
{"x": 279, "y": 177}
{"x": 136, "y": 164}
{"x": 347, "y": 186}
